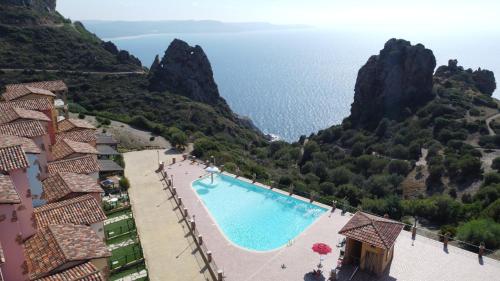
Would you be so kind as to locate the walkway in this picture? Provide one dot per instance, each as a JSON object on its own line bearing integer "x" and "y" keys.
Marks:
{"x": 168, "y": 252}
{"x": 420, "y": 260}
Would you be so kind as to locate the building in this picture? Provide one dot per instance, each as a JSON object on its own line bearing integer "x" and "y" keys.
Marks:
{"x": 32, "y": 152}
{"x": 82, "y": 210}
{"x": 109, "y": 168}
{"x": 62, "y": 186}
{"x": 69, "y": 125}
{"x": 109, "y": 140}
{"x": 55, "y": 91}
{"x": 87, "y": 165}
{"x": 106, "y": 152}
{"x": 85, "y": 135}
{"x": 66, "y": 149}
{"x": 370, "y": 242}
{"x": 43, "y": 105}
{"x": 16, "y": 210}
{"x": 83, "y": 272}
{"x": 57, "y": 248}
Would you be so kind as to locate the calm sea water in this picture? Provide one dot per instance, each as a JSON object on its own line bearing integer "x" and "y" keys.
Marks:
{"x": 296, "y": 82}
{"x": 253, "y": 217}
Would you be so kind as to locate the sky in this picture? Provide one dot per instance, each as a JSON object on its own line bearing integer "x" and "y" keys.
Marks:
{"x": 447, "y": 14}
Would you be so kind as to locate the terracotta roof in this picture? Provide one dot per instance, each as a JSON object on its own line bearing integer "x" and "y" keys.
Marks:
{"x": 84, "y": 135}
{"x": 15, "y": 113}
{"x": 27, "y": 144}
{"x": 79, "y": 210}
{"x": 65, "y": 148}
{"x": 59, "y": 185}
{"x": 80, "y": 165}
{"x": 54, "y": 85}
{"x": 37, "y": 104}
{"x": 8, "y": 193}
{"x": 56, "y": 245}
{"x": 29, "y": 129}
{"x": 83, "y": 272}
{"x": 12, "y": 158}
{"x": 373, "y": 230}
{"x": 14, "y": 93}
{"x": 70, "y": 124}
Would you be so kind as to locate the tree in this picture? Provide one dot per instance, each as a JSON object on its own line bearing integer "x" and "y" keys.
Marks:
{"x": 327, "y": 188}
{"x": 399, "y": 167}
{"x": 179, "y": 139}
{"x": 480, "y": 230}
{"x": 124, "y": 183}
{"x": 340, "y": 176}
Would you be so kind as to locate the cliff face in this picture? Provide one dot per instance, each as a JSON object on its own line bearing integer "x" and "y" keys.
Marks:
{"x": 185, "y": 70}
{"x": 393, "y": 83}
{"x": 40, "y": 5}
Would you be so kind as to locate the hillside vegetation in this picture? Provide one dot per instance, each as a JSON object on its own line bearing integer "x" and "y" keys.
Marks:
{"x": 422, "y": 160}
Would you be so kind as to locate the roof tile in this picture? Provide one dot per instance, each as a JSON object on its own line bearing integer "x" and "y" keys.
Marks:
{"x": 29, "y": 129}
{"x": 13, "y": 93}
{"x": 80, "y": 165}
{"x": 84, "y": 135}
{"x": 28, "y": 145}
{"x": 56, "y": 245}
{"x": 38, "y": 104}
{"x": 72, "y": 124}
{"x": 53, "y": 86}
{"x": 371, "y": 229}
{"x": 59, "y": 185}
{"x": 83, "y": 272}
{"x": 65, "y": 148}
{"x": 12, "y": 158}
{"x": 8, "y": 193}
{"x": 83, "y": 210}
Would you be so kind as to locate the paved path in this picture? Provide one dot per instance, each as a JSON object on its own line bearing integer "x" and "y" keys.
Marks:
{"x": 168, "y": 252}
{"x": 488, "y": 121}
{"x": 420, "y": 260}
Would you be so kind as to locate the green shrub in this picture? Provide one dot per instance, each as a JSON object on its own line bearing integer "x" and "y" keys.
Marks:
{"x": 124, "y": 183}
{"x": 480, "y": 230}
{"x": 81, "y": 116}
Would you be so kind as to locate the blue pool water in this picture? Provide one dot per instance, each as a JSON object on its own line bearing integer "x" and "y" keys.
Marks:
{"x": 252, "y": 217}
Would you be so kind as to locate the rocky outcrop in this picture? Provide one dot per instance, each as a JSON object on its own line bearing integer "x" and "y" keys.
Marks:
{"x": 484, "y": 80}
{"x": 392, "y": 84}
{"x": 185, "y": 70}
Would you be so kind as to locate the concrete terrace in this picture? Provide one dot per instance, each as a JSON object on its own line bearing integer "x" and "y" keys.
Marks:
{"x": 419, "y": 260}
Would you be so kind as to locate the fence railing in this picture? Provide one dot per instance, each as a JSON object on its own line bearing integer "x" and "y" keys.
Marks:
{"x": 135, "y": 256}
{"x": 206, "y": 254}
{"x": 120, "y": 230}
{"x": 345, "y": 207}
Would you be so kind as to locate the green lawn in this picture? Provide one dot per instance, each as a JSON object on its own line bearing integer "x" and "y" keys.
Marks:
{"x": 129, "y": 271}
{"x": 119, "y": 239}
{"x": 125, "y": 255}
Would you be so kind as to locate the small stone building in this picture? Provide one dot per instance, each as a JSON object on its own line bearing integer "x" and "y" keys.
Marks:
{"x": 370, "y": 242}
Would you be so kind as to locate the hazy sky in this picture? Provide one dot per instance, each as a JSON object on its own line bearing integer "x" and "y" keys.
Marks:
{"x": 482, "y": 14}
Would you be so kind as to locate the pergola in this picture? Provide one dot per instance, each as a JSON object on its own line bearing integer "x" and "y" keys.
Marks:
{"x": 370, "y": 242}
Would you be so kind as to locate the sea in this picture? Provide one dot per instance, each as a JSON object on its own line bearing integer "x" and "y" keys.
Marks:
{"x": 298, "y": 81}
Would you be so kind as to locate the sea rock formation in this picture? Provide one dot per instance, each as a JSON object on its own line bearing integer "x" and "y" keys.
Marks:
{"x": 393, "y": 83}
{"x": 484, "y": 80}
{"x": 185, "y": 70}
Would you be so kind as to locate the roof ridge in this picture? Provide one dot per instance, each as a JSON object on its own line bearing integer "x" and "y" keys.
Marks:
{"x": 56, "y": 241}
{"x": 71, "y": 159}
{"x": 357, "y": 226}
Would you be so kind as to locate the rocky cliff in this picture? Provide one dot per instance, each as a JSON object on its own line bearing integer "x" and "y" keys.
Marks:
{"x": 393, "y": 83}
{"x": 185, "y": 70}
{"x": 482, "y": 79}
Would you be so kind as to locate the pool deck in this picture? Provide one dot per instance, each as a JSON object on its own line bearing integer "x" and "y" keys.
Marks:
{"x": 421, "y": 259}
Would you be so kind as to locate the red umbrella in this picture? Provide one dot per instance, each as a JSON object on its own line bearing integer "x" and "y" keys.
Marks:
{"x": 321, "y": 249}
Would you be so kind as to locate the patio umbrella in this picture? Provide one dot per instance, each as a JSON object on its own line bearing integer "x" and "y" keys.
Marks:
{"x": 212, "y": 170}
{"x": 321, "y": 249}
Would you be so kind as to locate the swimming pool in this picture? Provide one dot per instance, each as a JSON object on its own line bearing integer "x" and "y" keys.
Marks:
{"x": 253, "y": 217}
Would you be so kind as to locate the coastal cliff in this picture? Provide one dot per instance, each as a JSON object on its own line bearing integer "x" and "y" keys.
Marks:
{"x": 185, "y": 70}
{"x": 39, "y": 5}
{"x": 393, "y": 83}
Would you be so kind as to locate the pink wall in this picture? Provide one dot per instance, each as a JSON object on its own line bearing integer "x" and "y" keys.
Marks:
{"x": 25, "y": 209}
{"x": 13, "y": 251}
